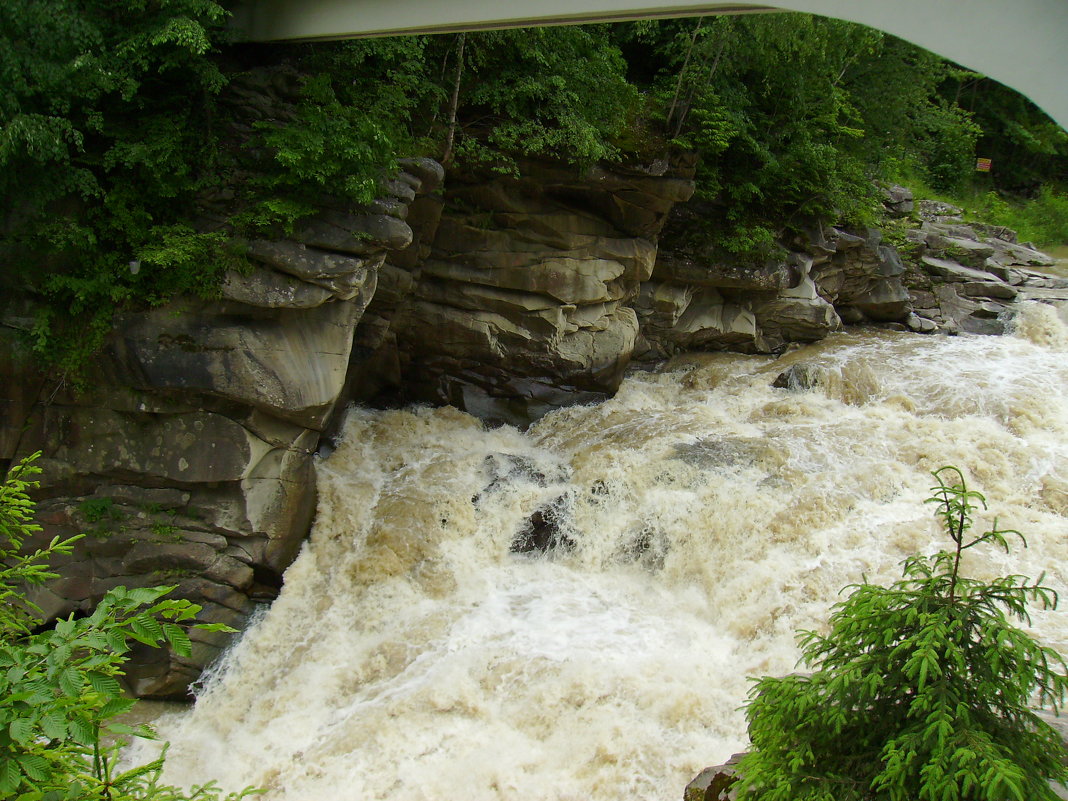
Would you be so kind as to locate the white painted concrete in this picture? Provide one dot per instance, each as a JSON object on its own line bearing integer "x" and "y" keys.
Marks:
{"x": 1021, "y": 43}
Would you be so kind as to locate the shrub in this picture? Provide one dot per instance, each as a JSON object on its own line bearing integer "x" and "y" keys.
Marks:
{"x": 921, "y": 691}
{"x": 59, "y": 687}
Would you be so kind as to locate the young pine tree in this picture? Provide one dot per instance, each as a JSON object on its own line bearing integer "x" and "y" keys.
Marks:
{"x": 921, "y": 691}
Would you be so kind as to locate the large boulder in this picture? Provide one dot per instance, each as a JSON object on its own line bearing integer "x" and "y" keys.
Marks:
{"x": 863, "y": 277}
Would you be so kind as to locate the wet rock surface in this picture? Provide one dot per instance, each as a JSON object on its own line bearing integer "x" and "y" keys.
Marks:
{"x": 521, "y": 300}
{"x": 968, "y": 278}
{"x": 701, "y": 298}
{"x": 188, "y": 461}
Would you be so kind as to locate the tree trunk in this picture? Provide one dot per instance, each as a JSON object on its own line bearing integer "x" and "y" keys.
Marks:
{"x": 454, "y": 101}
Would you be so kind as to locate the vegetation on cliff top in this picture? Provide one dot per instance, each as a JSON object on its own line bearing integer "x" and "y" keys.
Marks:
{"x": 116, "y": 130}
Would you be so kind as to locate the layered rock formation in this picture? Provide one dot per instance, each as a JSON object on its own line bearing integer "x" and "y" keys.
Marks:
{"x": 701, "y": 298}
{"x": 967, "y": 277}
{"x": 945, "y": 277}
{"x": 189, "y": 460}
{"x": 521, "y": 301}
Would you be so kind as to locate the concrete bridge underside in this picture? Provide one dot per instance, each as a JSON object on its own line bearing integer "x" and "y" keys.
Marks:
{"x": 1021, "y": 43}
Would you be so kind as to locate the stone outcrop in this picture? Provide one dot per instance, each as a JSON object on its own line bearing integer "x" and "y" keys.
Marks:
{"x": 942, "y": 276}
{"x": 700, "y": 297}
{"x": 966, "y": 278}
{"x": 715, "y": 783}
{"x": 189, "y": 459}
{"x": 522, "y": 300}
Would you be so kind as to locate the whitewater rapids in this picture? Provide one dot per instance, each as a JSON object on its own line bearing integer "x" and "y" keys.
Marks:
{"x": 704, "y": 516}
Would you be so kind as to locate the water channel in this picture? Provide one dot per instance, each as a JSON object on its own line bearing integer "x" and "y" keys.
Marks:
{"x": 700, "y": 517}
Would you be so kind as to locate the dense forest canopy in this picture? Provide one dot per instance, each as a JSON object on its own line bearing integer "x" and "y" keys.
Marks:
{"x": 118, "y": 134}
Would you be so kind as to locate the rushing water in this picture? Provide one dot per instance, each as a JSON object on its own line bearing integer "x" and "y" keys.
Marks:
{"x": 412, "y": 655}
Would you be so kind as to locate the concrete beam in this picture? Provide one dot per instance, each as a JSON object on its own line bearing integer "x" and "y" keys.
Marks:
{"x": 1023, "y": 43}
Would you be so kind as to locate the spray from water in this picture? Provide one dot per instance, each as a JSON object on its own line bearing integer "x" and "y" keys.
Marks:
{"x": 690, "y": 526}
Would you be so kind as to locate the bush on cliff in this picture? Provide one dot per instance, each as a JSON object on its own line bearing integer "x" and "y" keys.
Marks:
{"x": 921, "y": 691}
{"x": 60, "y": 695}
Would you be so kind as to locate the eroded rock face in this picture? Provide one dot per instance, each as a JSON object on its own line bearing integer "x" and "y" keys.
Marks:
{"x": 189, "y": 459}
{"x": 522, "y": 301}
{"x": 967, "y": 278}
{"x": 700, "y": 297}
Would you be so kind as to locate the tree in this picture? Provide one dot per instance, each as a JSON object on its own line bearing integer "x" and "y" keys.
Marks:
{"x": 59, "y": 687}
{"x": 796, "y": 117}
{"x": 921, "y": 691}
{"x": 557, "y": 92}
{"x": 106, "y": 135}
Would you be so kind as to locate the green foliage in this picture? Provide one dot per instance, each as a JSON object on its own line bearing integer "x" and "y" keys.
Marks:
{"x": 559, "y": 92}
{"x": 946, "y": 147}
{"x": 105, "y": 138}
{"x": 795, "y": 116}
{"x": 799, "y": 117}
{"x": 921, "y": 691}
{"x": 59, "y": 688}
{"x": 329, "y": 148}
{"x": 1027, "y": 148}
{"x": 96, "y": 509}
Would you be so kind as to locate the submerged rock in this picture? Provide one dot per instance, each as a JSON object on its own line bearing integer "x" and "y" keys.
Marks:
{"x": 798, "y": 377}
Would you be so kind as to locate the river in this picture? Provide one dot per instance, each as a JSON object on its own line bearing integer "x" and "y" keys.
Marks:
{"x": 705, "y": 515}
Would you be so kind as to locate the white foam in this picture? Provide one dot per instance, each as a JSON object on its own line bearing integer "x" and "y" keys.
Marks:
{"x": 411, "y": 655}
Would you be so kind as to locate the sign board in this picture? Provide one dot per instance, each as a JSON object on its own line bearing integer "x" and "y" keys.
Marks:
{"x": 982, "y": 165}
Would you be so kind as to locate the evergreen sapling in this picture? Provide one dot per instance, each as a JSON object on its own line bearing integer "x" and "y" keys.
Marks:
{"x": 921, "y": 691}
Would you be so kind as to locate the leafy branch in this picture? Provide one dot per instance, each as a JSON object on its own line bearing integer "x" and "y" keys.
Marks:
{"x": 60, "y": 690}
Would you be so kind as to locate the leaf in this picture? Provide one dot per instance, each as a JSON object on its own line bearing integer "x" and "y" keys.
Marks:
{"x": 178, "y": 639}
{"x": 9, "y": 776}
{"x": 104, "y": 684}
{"x": 71, "y": 682}
{"x": 65, "y": 627}
{"x": 83, "y": 731}
{"x": 21, "y": 731}
{"x": 142, "y": 596}
{"x": 116, "y": 706}
{"x": 54, "y": 726}
{"x": 117, "y": 641}
{"x": 146, "y": 629}
{"x": 34, "y": 766}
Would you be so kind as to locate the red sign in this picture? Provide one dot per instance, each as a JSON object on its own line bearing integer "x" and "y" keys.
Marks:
{"x": 982, "y": 165}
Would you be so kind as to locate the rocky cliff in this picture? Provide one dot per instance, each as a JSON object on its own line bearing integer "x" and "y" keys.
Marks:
{"x": 521, "y": 299}
{"x": 190, "y": 459}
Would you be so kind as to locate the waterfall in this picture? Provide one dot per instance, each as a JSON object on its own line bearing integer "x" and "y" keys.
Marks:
{"x": 691, "y": 525}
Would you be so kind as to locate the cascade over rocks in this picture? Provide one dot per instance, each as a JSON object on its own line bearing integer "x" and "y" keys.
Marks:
{"x": 189, "y": 460}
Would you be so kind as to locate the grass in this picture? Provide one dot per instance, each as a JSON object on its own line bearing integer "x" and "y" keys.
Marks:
{"x": 1042, "y": 220}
